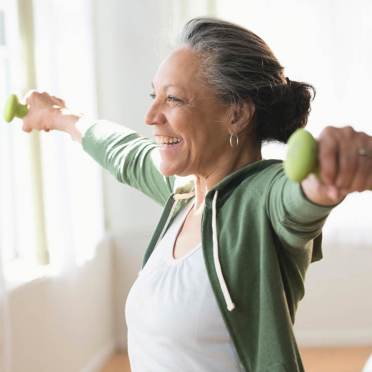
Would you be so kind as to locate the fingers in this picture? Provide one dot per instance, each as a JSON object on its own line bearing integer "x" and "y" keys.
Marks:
{"x": 35, "y": 97}
{"x": 362, "y": 179}
{"x": 345, "y": 160}
{"x": 348, "y": 162}
{"x": 43, "y": 110}
{"x": 26, "y": 128}
{"x": 59, "y": 102}
{"x": 28, "y": 95}
{"x": 328, "y": 155}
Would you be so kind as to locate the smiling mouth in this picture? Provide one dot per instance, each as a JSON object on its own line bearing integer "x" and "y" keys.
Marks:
{"x": 165, "y": 141}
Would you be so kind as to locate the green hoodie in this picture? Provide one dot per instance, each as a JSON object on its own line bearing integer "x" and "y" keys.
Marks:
{"x": 259, "y": 235}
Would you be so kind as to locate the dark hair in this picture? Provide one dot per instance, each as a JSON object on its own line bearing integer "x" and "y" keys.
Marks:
{"x": 240, "y": 66}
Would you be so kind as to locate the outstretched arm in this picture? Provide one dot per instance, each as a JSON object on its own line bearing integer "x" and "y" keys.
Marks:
{"x": 124, "y": 153}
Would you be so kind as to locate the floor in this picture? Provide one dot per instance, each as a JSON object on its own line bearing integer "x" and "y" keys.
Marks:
{"x": 118, "y": 363}
{"x": 335, "y": 359}
{"x": 314, "y": 359}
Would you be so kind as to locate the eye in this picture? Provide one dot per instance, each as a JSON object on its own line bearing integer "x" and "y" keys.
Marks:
{"x": 152, "y": 95}
{"x": 174, "y": 99}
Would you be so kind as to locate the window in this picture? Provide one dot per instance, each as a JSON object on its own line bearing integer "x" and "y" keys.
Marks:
{"x": 50, "y": 190}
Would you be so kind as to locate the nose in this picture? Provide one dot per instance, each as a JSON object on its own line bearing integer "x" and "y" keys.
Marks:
{"x": 154, "y": 115}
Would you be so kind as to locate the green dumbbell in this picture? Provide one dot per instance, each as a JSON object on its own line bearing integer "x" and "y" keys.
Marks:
{"x": 13, "y": 108}
{"x": 302, "y": 156}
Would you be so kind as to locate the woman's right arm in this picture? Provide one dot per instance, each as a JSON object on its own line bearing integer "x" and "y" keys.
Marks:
{"x": 123, "y": 152}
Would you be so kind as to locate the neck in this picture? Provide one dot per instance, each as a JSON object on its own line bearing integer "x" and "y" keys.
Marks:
{"x": 204, "y": 182}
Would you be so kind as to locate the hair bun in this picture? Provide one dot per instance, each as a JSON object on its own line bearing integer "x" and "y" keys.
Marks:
{"x": 282, "y": 109}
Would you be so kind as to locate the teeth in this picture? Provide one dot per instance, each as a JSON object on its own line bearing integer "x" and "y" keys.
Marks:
{"x": 163, "y": 140}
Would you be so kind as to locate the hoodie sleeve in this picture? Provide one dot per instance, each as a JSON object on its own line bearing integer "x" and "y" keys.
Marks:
{"x": 295, "y": 219}
{"x": 132, "y": 159}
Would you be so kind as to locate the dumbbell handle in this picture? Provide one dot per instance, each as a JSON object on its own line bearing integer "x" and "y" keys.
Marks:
{"x": 302, "y": 155}
{"x": 13, "y": 108}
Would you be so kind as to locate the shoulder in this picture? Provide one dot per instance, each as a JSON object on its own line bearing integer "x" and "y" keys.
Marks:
{"x": 252, "y": 183}
{"x": 264, "y": 174}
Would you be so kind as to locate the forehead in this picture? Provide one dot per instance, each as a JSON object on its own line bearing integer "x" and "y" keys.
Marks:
{"x": 180, "y": 68}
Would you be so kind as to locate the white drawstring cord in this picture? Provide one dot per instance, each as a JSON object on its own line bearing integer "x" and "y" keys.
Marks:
{"x": 184, "y": 196}
{"x": 230, "y": 305}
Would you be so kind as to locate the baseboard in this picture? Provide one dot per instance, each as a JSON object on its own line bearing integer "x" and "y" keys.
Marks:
{"x": 360, "y": 337}
{"x": 101, "y": 358}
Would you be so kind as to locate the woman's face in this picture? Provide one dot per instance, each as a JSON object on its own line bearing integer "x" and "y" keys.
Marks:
{"x": 189, "y": 121}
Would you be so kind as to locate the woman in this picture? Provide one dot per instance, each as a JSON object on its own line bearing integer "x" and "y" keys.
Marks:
{"x": 220, "y": 291}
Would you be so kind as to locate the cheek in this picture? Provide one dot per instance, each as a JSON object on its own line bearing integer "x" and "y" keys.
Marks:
{"x": 195, "y": 143}
{"x": 203, "y": 148}
{"x": 199, "y": 133}
{"x": 187, "y": 128}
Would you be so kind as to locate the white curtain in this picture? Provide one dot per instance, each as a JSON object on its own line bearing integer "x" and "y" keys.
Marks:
{"x": 72, "y": 181}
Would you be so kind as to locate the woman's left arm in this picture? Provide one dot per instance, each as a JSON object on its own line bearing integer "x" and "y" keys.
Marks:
{"x": 345, "y": 166}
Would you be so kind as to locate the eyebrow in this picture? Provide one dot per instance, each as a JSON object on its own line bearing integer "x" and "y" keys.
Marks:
{"x": 167, "y": 86}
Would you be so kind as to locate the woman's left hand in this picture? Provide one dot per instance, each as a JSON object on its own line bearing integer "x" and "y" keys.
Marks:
{"x": 345, "y": 166}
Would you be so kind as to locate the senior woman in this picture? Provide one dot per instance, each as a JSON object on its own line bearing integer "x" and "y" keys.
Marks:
{"x": 224, "y": 271}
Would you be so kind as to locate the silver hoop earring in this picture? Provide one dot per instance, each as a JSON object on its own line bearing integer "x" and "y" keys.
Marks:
{"x": 235, "y": 142}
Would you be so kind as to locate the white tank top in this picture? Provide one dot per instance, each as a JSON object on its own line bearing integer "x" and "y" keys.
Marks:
{"x": 174, "y": 323}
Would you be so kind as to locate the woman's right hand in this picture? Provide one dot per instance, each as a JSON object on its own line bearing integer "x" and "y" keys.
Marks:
{"x": 46, "y": 112}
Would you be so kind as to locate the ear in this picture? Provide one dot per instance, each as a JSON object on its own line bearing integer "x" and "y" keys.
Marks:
{"x": 241, "y": 116}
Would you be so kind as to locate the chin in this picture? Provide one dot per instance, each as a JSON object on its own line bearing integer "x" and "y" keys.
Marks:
{"x": 168, "y": 170}
{"x": 172, "y": 171}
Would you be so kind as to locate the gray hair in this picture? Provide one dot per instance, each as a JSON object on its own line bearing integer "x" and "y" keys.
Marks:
{"x": 240, "y": 66}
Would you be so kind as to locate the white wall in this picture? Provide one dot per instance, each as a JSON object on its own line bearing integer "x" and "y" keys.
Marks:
{"x": 64, "y": 323}
{"x": 337, "y": 307}
{"x": 132, "y": 39}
